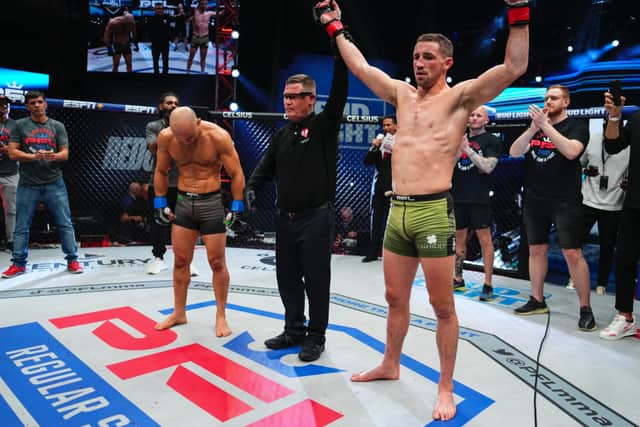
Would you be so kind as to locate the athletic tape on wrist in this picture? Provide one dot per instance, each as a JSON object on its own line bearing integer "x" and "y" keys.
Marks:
{"x": 518, "y": 14}
{"x": 159, "y": 202}
{"x": 237, "y": 206}
{"x": 334, "y": 26}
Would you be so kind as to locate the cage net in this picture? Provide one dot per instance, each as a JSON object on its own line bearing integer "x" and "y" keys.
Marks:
{"x": 108, "y": 152}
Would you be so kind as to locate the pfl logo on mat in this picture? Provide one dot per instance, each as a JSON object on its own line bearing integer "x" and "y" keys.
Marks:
{"x": 57, "y": 388}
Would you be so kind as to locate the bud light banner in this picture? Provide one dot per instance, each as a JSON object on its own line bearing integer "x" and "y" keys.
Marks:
{"x": 14, "y": 84}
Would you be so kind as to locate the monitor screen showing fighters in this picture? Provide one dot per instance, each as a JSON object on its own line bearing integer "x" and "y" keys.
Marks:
{"x": 150, "y": 36}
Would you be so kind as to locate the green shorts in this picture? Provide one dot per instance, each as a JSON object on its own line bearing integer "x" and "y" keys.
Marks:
{"x": 199, "y": 41}
{"x": 421, "y": 226}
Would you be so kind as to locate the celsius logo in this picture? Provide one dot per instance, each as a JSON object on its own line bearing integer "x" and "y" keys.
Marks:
{"x": 267, "y": 259}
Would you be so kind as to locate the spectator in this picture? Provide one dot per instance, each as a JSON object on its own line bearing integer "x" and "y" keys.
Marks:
{"x": 602, "y": 198}
{"x": 133, "y": 215}
{"x": 346, "y": 240}
{"x": 41, "y": 146}
{"x": 380, "y": 155}
{"x": 180, "y": 28}
{"x": 628, "y": 251}
{"x": 8, "y": 172}
{"x": 479, "y": 155}
{"x": 552, "y": 146}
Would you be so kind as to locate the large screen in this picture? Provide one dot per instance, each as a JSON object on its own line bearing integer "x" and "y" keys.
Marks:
{"x": 133, "y": 35}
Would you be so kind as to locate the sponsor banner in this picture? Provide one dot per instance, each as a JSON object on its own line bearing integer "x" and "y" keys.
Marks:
{"x": 360, "y": 111}
{"x": 583, "y": 113}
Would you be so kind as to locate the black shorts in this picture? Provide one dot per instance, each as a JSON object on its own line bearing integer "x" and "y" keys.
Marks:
{"x": 121, "y": 48}
{"x": 202, "y": 212}
{"x": 538, "y": 216}
{"x": 474, "y": 216}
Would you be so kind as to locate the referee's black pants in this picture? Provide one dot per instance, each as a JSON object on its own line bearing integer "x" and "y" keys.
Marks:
{"x": 303, "y": 265}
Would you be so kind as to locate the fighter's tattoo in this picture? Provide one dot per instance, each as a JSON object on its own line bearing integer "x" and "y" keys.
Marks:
{"x": 485, "y": 164}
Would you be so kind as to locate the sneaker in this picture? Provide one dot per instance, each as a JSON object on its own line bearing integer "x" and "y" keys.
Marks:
{"x": 193, "y": 270}
{"x": 459, "y": 286}
{"x": 487, "y": 293}
{"x": 570, "y": 284}
{"x": 619, "y": 328}
{"x": 156, "y": 266}
{"x": 74, "y": 267}
{"x": 533, "y": 306}
{"x": 13, "y": 271}
{"x": 587, "y": 322}
{"x": 284, "y": 340}
{"x": 310, "y": 351}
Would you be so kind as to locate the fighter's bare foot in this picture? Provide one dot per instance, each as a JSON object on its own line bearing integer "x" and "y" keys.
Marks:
{"x": 445, "y": 407}
{"x": 380, "y": 372}
{"x": 222, "y": 329}
{"x": 171, "y": 321}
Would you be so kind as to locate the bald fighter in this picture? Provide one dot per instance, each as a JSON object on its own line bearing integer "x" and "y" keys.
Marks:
{"x": 199, "y": 149}
{"x": 421, "y": 227}
{"x": 117, "y": 38}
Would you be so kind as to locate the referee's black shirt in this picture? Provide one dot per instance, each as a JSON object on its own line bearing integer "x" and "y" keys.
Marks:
{"x": 303, "y": 156}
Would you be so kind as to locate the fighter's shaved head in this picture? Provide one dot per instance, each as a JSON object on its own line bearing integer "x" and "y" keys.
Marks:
{"x": 182, "y": 114}
{"x": 184, "y": 124}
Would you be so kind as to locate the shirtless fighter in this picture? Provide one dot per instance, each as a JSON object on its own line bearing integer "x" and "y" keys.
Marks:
{"x": 421, "y": 227}
{"x": 199, "y": 149}
{"x": 118, "y": 38}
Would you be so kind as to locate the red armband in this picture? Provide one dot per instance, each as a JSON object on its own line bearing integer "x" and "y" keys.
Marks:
{"x": 333, "y": 26}
{"x": 518, "y": 14}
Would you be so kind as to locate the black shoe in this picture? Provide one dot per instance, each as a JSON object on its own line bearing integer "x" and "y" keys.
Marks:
{"x": 284, "y": 340}
{"x": 369, "y": 258}
{"x": 487, "y": 293}
{"x": 310, "y": 351}
{"x": 459, "y": 286}
{"x": 533, "y": 306}
{"x": 587, "y": 322}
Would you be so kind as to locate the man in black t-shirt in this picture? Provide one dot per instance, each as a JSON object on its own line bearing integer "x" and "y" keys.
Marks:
{"x": 479, "y": 155}
{"x": 552, "y": 195}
